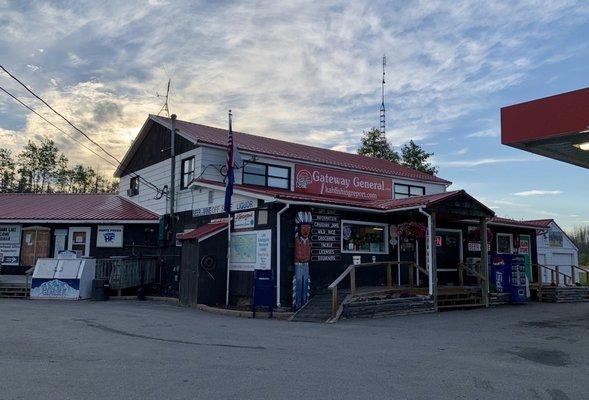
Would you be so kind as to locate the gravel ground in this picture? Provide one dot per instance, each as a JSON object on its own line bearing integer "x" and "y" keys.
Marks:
{"x": 154, "y": 350}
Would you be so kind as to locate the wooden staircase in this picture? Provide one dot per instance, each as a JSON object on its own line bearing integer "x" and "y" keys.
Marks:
{"x": 318, "y": 308}
{"x": 455, "y": 298}
{"x": 14, "y": 286}
{"x": 563, "y": 294}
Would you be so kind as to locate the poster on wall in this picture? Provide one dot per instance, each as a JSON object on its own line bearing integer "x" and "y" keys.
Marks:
{"x": 109, "y": 236}
{"x": 10, "y": 244}
{"x": 474, "y": 239}
{"x": 341, "y": 184}
{"x": 325, "y": 236}
{"x": 251, "y": 250}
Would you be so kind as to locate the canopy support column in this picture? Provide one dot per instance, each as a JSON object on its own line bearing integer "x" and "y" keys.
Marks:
{"x": 484, "y": 261}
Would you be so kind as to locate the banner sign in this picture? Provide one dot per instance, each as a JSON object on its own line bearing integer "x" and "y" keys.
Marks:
{"x": 342, "y": 184}
{"x": 325, "y": 236}
{"x": 10, "y": 244}
{"x": 251, "y": 250}
{"x": 109, "y": 236}
{"x": 244, "y": 220}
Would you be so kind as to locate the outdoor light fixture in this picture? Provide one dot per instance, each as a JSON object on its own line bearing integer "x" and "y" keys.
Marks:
{"x": 582, "y": 146}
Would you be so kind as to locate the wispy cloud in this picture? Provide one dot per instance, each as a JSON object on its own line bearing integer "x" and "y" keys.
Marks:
{"x": 536, "y": 192}
{"x": 462, "y": 151}
{"x": 478, "y": 162}
{"x": 484, "y": 133}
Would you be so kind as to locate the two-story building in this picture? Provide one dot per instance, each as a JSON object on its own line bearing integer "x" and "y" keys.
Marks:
{"x": 307, "y": 213}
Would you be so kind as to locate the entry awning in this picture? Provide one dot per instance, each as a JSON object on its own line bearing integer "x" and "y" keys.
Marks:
{"x": 204, "y": 232}
{"x": 556, "y": 127}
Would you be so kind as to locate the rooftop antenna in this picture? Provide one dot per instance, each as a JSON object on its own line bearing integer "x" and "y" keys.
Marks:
{"x": 382, "y": 109}
{"x": 165, "y": 106}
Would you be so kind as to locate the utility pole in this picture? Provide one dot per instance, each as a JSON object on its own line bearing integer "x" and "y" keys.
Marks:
{"x": 172, "y": 171}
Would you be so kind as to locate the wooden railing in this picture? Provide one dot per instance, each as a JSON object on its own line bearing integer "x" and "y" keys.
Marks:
{"x": 474, "y": 269}
{"x": 351, "y": 272}
{"x": 127, "y": 272}
{"x": 556, "y": 274}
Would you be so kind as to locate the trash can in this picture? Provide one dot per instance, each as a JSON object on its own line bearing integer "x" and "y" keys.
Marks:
{"x": 100, "y": 289}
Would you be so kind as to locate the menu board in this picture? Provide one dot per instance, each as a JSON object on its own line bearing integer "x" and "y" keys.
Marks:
{"x": 326, "y": 236}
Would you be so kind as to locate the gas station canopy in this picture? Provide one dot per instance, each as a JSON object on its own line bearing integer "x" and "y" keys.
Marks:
{"x": 556, "y": 127}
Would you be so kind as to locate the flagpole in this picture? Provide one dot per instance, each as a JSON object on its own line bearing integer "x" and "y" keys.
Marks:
{"x": 228, "y": 193}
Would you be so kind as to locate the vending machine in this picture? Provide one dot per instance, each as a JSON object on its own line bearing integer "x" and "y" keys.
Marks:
{"x": 500, "y": 268}
{"x": 518, "y": 279}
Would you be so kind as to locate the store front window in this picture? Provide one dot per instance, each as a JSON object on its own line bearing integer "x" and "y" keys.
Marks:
{"x": 504, "y": 243}
{"x": 364, "y": 237}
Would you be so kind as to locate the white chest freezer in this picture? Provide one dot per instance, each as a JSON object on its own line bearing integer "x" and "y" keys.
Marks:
{"x": 63, "y": 278}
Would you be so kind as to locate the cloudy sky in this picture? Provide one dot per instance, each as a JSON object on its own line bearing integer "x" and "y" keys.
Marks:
{"x": 310, "y": 71}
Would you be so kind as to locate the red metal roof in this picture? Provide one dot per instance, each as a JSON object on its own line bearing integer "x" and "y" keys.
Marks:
{"x": 203, "y": 231}
{"x": 71, "y": 207}
{"x": 540, "y": 223}
{"x": 378, "y": 205}
{"x": 296, "y": 151}
{"x": 514, "y": 222}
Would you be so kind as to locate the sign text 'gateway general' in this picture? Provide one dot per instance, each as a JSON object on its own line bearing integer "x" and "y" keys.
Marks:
{"x": 343, "y": 184}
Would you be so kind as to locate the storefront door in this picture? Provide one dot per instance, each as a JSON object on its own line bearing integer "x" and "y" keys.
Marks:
{"x": 79, "y": 241}
{"x": 448, "y": 255}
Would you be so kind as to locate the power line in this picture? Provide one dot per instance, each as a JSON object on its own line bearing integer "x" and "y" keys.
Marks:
{"x": 56, "y": 127}
{"x": 77, "y": 129}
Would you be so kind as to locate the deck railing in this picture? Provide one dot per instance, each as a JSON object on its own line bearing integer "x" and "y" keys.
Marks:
{"x": 351, "y": 272}
{"x": 127, "y": 272}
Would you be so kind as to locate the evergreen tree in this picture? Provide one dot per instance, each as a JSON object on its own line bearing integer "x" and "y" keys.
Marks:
{"x": 413, "y": 156}
{"x": 7, "y": 171}
{"x": 375, "y": 144}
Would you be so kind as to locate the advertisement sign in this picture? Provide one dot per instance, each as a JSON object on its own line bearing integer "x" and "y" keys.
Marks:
{"x": 10, "y": 244}
{"x": 555, "y": 238}
{"x": 325, "y": 236}
{"x": 251, "y": 250}
{"x": 341, "y": 184}
{"x": 109, "y": 236}
{"x": 244, "y": 220}
{"x": 220, "y": 208}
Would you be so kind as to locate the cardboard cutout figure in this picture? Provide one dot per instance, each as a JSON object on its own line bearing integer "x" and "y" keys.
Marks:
{"x": 302, "y": 254}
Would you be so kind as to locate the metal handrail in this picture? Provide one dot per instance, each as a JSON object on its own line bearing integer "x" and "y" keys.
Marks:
{"x": 351, "y": 271}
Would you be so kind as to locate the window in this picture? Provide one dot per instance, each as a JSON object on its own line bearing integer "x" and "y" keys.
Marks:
{"x": 364, "y": 237}
{"x": 133, "y": 186}
{"x": 405, "y": 191}
{"x": 187, "y": 172}
{"x": 504, "y": 243}
{"x": 266, "y": 175}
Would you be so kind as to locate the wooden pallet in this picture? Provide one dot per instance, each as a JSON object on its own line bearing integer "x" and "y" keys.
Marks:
{"x": 14, "y": 292}
{"x": 458, "y": 298}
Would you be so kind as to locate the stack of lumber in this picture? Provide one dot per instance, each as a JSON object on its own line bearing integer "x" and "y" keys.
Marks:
{"x": 380, "y": 307}
{"x": 572, "y": 294}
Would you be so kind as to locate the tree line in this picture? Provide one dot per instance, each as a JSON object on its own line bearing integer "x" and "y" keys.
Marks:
{"x": 580, "y": 236}
{"x": 41, "y": 168}
{"x": 375, "y": 144}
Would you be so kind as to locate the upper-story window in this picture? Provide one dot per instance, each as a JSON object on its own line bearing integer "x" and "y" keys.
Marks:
{"x": 405, "y": 191}
{"x": 133, "y": 186}
{"x": 266, "y": 175}
{"x": 187, "y": 172}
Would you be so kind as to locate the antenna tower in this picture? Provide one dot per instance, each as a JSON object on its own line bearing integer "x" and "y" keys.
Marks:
{"x": 382, "y": 108}
{"x": 165, "y": 106}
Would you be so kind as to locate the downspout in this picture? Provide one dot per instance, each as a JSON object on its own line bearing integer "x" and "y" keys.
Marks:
{"x": 278, "y": 242}
{"x": 428, "y": 245}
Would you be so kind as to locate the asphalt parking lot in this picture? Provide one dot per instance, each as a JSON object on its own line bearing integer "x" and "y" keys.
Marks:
{"x": 154, "y": 350}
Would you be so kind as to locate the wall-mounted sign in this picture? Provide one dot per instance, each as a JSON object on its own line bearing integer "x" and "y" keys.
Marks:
{"x": 251, "y": 250}
{"x": 438, "y": 241}
{"x": 10, "y": 244}
{"x": 109, "y": 236}
{"x": 342, "y": 184}
{"x": 219, "y": 208}
{"x": 244, "y": 220}
{"x": 555, "y": 238}
{"x": 325, "y": 236}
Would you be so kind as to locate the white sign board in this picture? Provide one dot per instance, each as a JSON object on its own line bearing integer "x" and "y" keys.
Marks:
{"x": 251, "y": 250}
{"x": 109, "y": 236}
{"x": 220, "y": 208}
{"x": 10, "y": 244}
{"x": 244, "y": 220}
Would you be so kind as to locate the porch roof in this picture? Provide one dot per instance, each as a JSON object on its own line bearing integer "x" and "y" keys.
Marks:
{"x": 287, "y": 196}
{"x": 204, "y": 232}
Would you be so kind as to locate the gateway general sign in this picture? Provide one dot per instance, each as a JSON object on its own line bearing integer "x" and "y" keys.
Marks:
{"x": 342, "y": 184}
